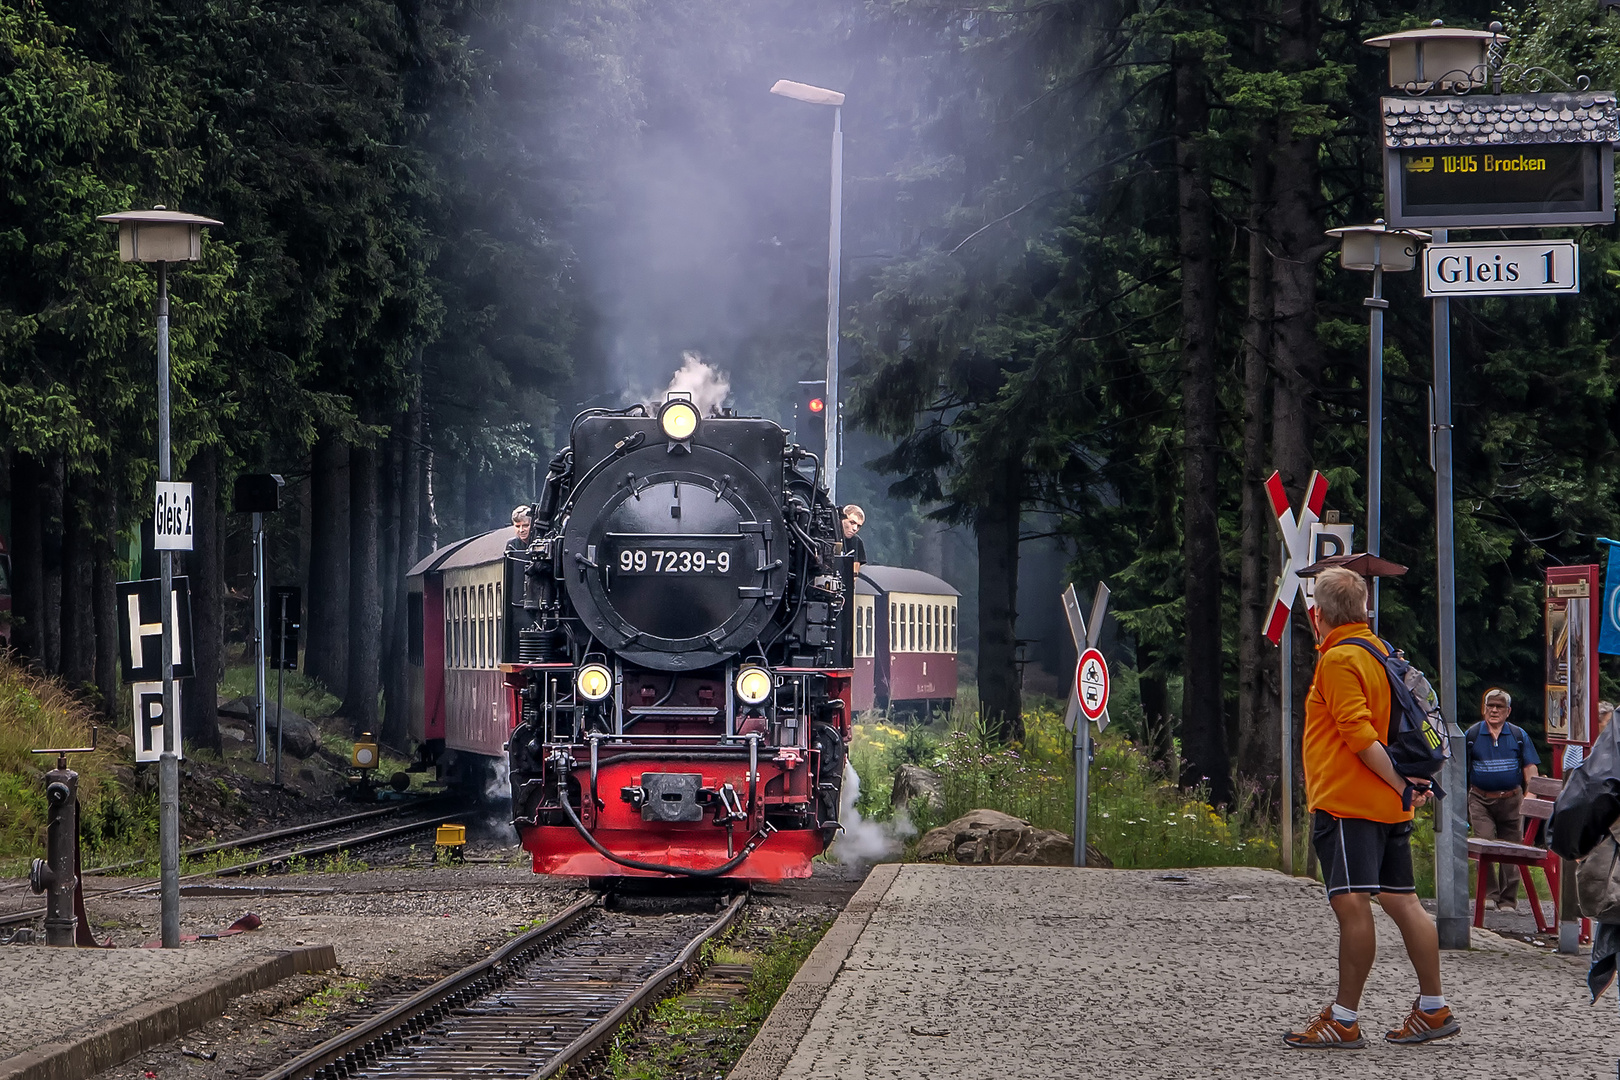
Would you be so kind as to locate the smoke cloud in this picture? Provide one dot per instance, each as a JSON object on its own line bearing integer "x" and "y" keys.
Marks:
{"x": 865, "y": 841}
{"x": 708, "y": 385}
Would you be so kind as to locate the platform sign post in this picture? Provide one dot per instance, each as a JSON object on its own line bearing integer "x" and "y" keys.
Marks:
{"x": 1299, "y": 533}
{"x": 1083, "y": 712}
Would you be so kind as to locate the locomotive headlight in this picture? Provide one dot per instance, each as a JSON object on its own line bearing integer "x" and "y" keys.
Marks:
{"x": 594, "y": 682}
{"x": 753, "y": 685}
{"x": 678, "y": 419}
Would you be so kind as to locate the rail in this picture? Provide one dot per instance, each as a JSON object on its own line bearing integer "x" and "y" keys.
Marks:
{"x": 544, "y": 1001}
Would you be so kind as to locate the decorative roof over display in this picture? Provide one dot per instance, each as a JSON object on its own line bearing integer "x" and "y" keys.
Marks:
{"x": 1509, "y": 119}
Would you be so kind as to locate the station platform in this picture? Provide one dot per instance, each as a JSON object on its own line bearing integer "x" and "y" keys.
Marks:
{"x": 1037, "y": 972}
{"x": 68, "y": 1013}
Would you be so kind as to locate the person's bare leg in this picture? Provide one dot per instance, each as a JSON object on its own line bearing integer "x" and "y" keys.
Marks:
{"x": 1421, "y": 938}
{"x": 1358, "y": 945}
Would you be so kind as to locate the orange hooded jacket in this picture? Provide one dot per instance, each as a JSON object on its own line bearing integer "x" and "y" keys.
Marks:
{"x": 1347, "y": 711}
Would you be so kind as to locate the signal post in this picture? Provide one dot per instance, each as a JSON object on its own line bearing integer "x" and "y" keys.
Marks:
{"x": 1459, "y": 153}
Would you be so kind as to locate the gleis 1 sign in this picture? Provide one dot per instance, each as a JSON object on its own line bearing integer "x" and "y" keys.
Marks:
{"x": 1502, "y": 268}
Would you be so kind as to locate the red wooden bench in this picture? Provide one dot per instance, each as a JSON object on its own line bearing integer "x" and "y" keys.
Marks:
{"x": 1538, "y": 807}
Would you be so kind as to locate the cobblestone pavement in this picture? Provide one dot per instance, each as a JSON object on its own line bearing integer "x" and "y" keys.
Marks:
{"x": 1037, "y": 972}
{"x": 46, "y": 994}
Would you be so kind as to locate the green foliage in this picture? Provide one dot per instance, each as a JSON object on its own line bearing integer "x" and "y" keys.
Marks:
{"x": 679, "y": 1037}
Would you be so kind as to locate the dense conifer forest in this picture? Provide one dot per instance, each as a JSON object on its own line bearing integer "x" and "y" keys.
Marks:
{"x": 1087, "y": 294}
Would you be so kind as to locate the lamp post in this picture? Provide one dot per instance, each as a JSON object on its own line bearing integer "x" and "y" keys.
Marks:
{"x": 1377, "y": 248}
{"x": 815, "y": 95}
{"x": 164, "y": 236}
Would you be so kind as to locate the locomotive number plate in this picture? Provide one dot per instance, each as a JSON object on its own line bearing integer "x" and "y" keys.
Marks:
{"x": 711, "y": 556}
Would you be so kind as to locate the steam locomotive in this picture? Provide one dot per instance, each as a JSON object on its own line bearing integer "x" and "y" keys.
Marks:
{"x": 671, "y": 650}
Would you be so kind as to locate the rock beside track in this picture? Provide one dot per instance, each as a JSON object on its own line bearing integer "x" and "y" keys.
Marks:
{"x": 989, "y": 836}
{"x": 301, "y": 737}
{"x": 913, "y": 783}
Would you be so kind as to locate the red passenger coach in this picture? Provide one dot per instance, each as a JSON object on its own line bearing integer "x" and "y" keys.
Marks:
{"x": 905, "y": 640}
{"x": 460, "y": 637}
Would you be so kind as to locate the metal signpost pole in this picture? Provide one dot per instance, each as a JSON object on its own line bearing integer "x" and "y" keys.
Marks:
{"x": 1082, "y": 786}
{"x": 1285, "y": 695}
{"x": 1451, "y": 822}
{"x": 1376, "y": 304}
{"x": 169, "y": 762}
{"x": 835, "y": 256}
{"x": 261, "y": 741}
{"x": 281, "y": 674}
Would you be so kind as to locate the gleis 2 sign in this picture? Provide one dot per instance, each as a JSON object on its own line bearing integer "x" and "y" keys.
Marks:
{"x": 1502, "y": 268}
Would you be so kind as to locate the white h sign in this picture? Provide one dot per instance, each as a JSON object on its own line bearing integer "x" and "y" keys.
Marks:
{"x": 172, "y": 517}
{"x": 149, "y": 729}
{"x": 1502, "y": 268}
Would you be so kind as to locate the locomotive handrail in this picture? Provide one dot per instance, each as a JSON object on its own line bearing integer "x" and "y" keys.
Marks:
{"x": 673, "y": 710}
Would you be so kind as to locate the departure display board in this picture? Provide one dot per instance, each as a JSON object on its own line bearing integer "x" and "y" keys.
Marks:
{"x": 1540, "y": 184}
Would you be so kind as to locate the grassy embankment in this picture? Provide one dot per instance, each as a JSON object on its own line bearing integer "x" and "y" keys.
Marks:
{"x": 36, "y": 713}
{"x": 1138, "y": 818}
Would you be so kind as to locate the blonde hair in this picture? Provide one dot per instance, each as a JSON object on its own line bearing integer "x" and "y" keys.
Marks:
{"x": 855, "y": 514}
{"x": 1341, "y": 597}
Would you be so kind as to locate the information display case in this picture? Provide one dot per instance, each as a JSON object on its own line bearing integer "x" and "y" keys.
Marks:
{"x": 1571, "y": 626}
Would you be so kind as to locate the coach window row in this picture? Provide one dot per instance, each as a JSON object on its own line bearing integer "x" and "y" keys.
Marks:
{"x": 472, "y": 625}
{"x": 922, "y": 627}
{"x": 866, "y": 630}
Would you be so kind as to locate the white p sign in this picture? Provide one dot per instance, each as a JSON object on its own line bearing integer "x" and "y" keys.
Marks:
{"x": 149, "y": 729}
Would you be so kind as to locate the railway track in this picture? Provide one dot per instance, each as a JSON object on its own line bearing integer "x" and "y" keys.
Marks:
{"x": 354, "y": 832}
{"x": 541, "y": 1003}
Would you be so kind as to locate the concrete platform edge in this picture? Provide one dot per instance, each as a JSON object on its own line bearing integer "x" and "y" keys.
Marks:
{"x": 146, "y": 1026}
{"x": 778, "y": 1037}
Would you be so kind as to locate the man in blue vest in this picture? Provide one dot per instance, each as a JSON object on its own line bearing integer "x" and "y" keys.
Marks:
{"x": 1501, "y": 761}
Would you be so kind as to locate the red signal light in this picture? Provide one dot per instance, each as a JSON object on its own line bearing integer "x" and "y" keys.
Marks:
{"x": 816, "y": 405}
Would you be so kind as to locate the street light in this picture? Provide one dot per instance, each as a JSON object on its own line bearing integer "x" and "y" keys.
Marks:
{"x": 815, "y": 95}
{"x": 1377, "y": 248}
{"x": 164, "y": 236}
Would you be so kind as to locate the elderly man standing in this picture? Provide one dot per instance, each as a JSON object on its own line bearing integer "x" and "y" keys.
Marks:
{"x": 1501, "y": 761}
{"x": 1360, "y": 826}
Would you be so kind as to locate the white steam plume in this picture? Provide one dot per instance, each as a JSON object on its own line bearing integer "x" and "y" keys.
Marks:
{"x": 865, "y": 841}
{"x": 709, "y": 386}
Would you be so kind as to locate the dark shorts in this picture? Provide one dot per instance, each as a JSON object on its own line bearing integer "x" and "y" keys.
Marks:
{"x": 1363, "y": 856}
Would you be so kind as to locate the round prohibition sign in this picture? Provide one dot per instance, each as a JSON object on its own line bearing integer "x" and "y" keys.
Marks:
{"x": 1091, "y": 681}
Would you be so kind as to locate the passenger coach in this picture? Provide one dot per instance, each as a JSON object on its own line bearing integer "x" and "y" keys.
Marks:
{"x": 905, "y": 640}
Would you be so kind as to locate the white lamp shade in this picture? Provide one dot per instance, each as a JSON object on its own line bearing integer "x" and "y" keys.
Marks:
{"x": 158, "y": 235}
{"x": 159, "y": 243}
{"x": 1454, "y": 58}
{"x": 1377, "y": 247}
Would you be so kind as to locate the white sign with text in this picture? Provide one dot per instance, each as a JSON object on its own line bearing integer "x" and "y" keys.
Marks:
{"x": 173, "y": 527}
{"x": 1502, "y": 268}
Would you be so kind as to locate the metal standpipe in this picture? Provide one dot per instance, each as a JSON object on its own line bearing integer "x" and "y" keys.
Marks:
{"x": 55, "y": 875}
{"x": 1451, "y": 814}
{"x": 169, "y": 761}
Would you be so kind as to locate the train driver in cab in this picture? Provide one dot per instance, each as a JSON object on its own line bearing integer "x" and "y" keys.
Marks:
{"x": 522, "y": 522}
{"x": 854, "y": 517}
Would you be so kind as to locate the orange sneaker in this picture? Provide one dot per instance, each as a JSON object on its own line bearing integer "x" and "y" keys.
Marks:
{"x": 1326, "y": 1033}
{"x": 1423, "y": 1026}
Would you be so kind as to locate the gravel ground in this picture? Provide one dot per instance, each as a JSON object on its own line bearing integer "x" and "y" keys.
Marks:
{"x": 395, "y": 930}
